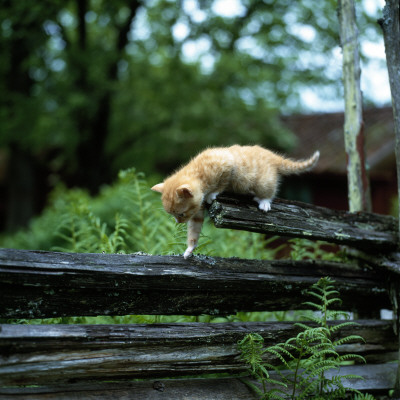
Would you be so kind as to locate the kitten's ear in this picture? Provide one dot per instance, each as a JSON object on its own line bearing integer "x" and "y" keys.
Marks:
{"x": 184, "y": 191}
{"x": 158, "y": 188}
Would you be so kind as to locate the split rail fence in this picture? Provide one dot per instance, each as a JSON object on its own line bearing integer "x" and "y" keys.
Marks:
{"x": 164, "y": 361}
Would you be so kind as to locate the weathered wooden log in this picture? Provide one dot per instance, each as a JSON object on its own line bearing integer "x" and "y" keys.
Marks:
{"x": 39, "y": 354}
{"x": 175, "y": 389}
{"x": 367, "y": 231}
{"x": 44, "y": 284}
{"x": 377, "y": 379}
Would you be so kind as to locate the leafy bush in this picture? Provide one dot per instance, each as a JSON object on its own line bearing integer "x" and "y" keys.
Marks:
{"x": 125, "y": 217}
{"x": 307, "y": 357}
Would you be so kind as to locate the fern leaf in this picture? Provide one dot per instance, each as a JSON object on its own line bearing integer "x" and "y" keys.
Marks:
{"x": 332, "y": 301}
{"x": 339, "y": 315}
{"x": 337, "y": 327}
{"x": 331, "y": 292}
{"x": 317, "y": 307}
{"x": 279, "y": 356}
{"x": 352, "y": 357}
{"x": 253, "y": 387}
{"x": 318, "y": 296}
{"x": 350, "y": 338}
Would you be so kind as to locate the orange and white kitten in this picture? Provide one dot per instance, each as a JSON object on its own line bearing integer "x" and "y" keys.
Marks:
{"x": 239, "y": 169}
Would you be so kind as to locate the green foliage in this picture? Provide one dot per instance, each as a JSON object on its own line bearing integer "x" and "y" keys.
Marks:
{"x": 122, "y": 66}
{"x": 308, "y": 356}
{"x": 125, "y": 217}
{"x": 252, "y": 352}
{"x": 363, "y": 396}
{"x": 304, "y": 249}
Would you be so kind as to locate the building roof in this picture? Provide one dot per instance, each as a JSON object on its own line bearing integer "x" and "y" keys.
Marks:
{"x": 324, "y": 132}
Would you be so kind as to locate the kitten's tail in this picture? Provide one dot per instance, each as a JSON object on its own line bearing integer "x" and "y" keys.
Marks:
{"x": 288, "y": 167}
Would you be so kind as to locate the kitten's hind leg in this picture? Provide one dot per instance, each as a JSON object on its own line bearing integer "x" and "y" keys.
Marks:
{"x": 263, "y": 204}
{"x": 193, "y": 232}
{"x": 211, "y": 197}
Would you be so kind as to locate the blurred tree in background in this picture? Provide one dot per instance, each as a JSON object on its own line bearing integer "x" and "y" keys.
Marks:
{"x": 89, "y": 87}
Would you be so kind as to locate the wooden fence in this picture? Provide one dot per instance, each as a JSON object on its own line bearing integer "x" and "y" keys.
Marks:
{"x": 164, "y": 361}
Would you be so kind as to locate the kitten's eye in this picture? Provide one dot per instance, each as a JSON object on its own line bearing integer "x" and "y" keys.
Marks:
{"x": 182, "y": 215}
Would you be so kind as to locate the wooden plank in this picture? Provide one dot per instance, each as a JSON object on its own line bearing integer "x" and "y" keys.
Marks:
{"x": 177, "y": 389}
{"x": 366, "y": 231}
{"x": 39, "y": 354}
{"x": 43, "y": 284}
{"x": 377, "y": 379}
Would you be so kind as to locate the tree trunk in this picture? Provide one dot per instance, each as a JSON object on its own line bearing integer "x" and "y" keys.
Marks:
{"x": 390, "y": 25}
{"x": 94, "y": 165}
{"x": 358, "y": 182}
{"x": 391, "y": 34}
{"x": 23, "y": 184}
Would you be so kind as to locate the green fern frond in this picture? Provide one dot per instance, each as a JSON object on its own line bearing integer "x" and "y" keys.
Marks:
{"x": 251, "y": 347}
{"x": 330, "y": 291}
{"x": 277, "y": 353}
{"x": 351, "y": 357}
{"x": 317, "y": 333}
{"x": 332, "y": 301}
{"x": 352, "y": 376}
{"x": 311, "y": 354}
{"x": 320, "y": 354}
{"x": 337, "y": 327}
{"x": 347, "y": 339}
{"x": 363, "y": 396}
{"x": 317, "y": 295}
{"x": 339, "y": 315}
{"x": 315, "y": 306}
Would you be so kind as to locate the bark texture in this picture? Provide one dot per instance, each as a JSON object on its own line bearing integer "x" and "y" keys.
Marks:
{"x": 42, "y": 284}
{"x": 369, "y": 232}
{"x": 376, "y": 378}
{"x": 391, "y": 34}
{"x": 390, "y": 25}
{"x": 357, "y": 177}
{"x": 39, "y": 354}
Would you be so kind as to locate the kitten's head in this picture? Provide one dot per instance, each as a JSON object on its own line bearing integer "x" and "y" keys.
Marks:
{"x": 182, "y": 201}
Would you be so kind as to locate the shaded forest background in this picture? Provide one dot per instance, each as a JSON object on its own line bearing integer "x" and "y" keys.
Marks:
{"x": 90, "y": 87}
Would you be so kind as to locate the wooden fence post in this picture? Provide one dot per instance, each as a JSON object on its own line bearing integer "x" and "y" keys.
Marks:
{"x": 390, "y": 25}
{"x": 391, "y": 34}
{"x": 357, "y": 176}
{"x": 359, "y": 196}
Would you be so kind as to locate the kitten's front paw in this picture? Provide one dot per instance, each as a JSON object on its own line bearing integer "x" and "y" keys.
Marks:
{"x": 211, "y": 197}
{"x": 188, "y": 252}
{"x": 264, "y": 205}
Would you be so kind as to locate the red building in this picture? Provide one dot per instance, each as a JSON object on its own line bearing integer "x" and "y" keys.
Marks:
{"x": 326, "y": 185}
